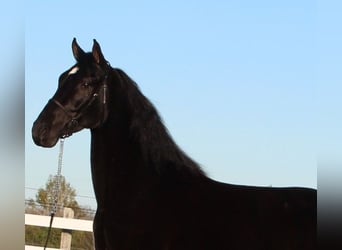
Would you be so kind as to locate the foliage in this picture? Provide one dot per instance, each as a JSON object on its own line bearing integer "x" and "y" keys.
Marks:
{"x": 82, "y": 240}
{"x": 36, "y": 236}
{"x": 66, "y": 194}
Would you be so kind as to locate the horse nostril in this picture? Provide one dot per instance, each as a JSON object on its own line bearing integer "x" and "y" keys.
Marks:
{"x": 39, "y": 132}
{"x": 43, "y": 131}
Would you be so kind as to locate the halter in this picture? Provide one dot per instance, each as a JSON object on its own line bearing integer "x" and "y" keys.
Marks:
{"x": 74, "y": 118}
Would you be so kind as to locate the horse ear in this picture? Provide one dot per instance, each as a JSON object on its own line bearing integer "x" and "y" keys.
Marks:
{"x": 97, "y": 53}
{"x": 76, "y": 50}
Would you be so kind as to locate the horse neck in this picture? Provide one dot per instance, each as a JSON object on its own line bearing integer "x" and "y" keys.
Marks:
{"x": 133, "y": 138}
{"x": 113, "y": 145}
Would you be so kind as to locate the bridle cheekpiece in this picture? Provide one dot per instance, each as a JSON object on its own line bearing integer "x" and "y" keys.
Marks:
{"x": 74, "y": 117}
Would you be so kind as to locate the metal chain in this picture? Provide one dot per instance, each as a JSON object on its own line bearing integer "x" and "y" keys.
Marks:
{"x": 57, "y": 188}
{"x": 58, "y": 177}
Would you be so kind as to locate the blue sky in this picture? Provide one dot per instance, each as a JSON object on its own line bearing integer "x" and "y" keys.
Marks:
{"x": 234, "y": 81}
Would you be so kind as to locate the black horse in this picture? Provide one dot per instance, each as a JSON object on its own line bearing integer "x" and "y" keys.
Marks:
{"x": 150, "y": 194}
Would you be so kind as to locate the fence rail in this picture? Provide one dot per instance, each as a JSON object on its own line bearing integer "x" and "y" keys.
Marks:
{"x": 59, "y": 222}
{"x": 39, "y": 248}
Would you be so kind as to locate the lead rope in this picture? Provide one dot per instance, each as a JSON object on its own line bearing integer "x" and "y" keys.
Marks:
{"x": 57, "y": 188}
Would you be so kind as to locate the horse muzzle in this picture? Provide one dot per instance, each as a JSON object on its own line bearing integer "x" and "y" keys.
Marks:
{"x": 41, "y": 135}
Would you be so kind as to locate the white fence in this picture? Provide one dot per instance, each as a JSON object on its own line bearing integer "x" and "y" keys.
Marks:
{"x": 39, "y": 248}
{"x": 58, "y": 222}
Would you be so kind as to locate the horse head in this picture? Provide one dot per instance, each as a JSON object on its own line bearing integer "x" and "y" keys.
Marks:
{"x": 80, "y": 100}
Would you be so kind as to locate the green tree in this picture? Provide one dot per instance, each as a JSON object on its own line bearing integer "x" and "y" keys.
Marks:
{"x": 66, "y": 195}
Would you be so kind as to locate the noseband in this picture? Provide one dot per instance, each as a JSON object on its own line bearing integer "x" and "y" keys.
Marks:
{"x": 74, "y": 118}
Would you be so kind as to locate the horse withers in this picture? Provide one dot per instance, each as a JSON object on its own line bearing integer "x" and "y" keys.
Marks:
{"x": 150, "y": 194}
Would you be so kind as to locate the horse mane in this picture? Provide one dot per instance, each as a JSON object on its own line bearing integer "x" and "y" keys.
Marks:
{"x": 148, "y": 132}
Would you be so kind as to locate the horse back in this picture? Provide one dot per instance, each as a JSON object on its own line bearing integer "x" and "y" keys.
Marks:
{"x": 244, "y": 217}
